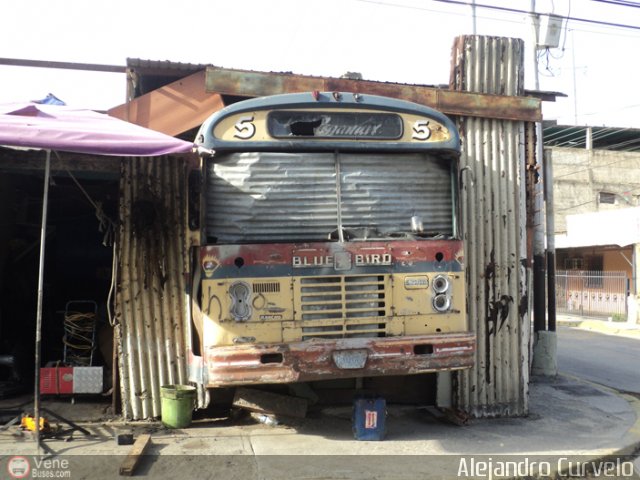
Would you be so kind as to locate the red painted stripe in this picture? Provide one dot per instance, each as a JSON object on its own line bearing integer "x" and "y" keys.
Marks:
{"x": 282, "y": 253}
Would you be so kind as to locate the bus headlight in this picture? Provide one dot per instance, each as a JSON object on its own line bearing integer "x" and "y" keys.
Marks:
{"x": 240, "y": 302}
{"x": 440, "y": 284}
{"x": 441, "y": 302}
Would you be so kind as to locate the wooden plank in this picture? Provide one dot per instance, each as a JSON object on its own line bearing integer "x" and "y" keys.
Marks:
{"x": 174, "y": 108}
{"x": 131, "y": 462}
{"x": 268, "y": 402}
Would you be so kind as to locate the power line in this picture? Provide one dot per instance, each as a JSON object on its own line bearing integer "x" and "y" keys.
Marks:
{"x": 502, "y": 9}
{"x": 590, "y": 168}
{"x": 514, "y": 10}
{"x": 620, "y": 3}
{"x": 574, "y": 206}
{"x": 508, "y": 10}
{"x": 630, "y": 192}
{"x": 626, "y": 107}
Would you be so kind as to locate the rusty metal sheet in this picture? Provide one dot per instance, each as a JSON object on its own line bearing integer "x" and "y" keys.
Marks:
{"x": 151, "y": 309}
{"x": 494, "y": 221}
{"x": 486, "y": 105}
{"x": 248, "y": 195}
{"x": 316, "y": 360}
{"x": 402, "y": 252}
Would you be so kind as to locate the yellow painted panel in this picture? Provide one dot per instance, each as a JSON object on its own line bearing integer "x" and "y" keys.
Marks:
{"x": 267, "y": 299}
{"x": 274, "y": 307}
{"x": 252, "y": 127}
{"x": 232, "y": 333}
{"x": 413, "y": 297}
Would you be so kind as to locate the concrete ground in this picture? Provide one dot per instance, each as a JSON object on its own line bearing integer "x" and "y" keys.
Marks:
{"x": 573, "y": 426}
{"x": 568, "y": 418}
{"x": 623, "y": 329}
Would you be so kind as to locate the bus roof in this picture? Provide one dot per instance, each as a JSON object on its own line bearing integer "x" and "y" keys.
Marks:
{"x": 320, "y": 102}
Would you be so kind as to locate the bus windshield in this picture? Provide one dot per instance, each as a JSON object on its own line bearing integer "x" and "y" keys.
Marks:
{"x": 257, "y": 197}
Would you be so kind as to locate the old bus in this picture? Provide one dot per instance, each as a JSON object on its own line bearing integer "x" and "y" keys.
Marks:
{"x": 331, "y": 243}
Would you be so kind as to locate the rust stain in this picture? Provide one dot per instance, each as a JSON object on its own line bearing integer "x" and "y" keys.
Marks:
{"x": 253, "y": 84}
{"x": 314, "y": 360}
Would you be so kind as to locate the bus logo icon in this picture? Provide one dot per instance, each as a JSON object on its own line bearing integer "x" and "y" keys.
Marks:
{"x": 18, "y": 467}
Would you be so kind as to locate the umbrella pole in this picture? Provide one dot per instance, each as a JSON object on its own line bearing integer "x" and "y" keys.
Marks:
{"x": 43, "y": 236}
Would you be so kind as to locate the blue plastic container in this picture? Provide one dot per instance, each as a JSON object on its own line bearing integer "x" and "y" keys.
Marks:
{"x": 369, "y": 418}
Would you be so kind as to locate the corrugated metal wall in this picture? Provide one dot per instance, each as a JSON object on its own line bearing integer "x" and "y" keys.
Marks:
{"x": 150, "y": 296}
{"x": 494, "y": 222}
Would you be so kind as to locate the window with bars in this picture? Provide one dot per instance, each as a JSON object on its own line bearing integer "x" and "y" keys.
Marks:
{"x": 607, "y": 197}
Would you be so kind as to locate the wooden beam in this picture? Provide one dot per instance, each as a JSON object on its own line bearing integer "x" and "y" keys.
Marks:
{"x": 174, "y": 108}
{"x": 23, "y": 160}
{"x": 87, "y": 67}
{"x": 130, "y": 463}
{"x": 255, "y": 84}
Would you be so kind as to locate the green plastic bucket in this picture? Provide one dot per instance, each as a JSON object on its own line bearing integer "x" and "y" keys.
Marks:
{"x": 177, "y": 405}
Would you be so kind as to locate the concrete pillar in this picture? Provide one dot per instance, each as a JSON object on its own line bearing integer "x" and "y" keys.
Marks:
{"x": 632, "y": 309}
{"x": 444, "y": 390}
{"x": 544, "y": 354}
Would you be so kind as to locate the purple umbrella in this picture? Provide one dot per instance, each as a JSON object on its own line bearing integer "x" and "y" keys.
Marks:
{"x": 57, "y": 127}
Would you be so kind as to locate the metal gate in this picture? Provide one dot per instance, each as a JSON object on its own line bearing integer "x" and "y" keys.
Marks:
{"x": 591, "y": 293}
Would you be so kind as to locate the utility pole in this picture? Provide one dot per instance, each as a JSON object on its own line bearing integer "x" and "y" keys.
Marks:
{"x": 545, "y": 342}
{"x": 473, "y": 17}
{"x": 575, "y": 86}
{"x": 539, "y": 297}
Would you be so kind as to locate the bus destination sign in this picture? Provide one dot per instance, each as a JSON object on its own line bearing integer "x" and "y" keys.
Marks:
{"x": 352, "y": 125}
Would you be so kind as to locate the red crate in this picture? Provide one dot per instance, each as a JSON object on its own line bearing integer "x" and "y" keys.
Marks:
{"x": 56, "y": 380}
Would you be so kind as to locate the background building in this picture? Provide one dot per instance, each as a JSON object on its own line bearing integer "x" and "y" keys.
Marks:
{"x": 596, "y": 174}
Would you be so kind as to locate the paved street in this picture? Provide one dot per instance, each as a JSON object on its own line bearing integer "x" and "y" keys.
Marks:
{"x": 609, "y": 360}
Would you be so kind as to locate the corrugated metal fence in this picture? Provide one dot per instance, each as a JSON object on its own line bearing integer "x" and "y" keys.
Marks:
{"x": 150, "y": 296}
{"x": 597, "y": 293}
{"x": 494, "y": 222}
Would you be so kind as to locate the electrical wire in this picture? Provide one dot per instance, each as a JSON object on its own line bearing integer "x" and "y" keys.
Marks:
{"x": 78, "y": 339}
{"x": 626, "y": 107}
{"x": 631, "y": 192}
{"x": 112, "y": 286}
{"x": 514, "y": 10}
{"x": 555, "y": 177}
{"x": 508, "y": 10}
{"x": 620, "y": 3}
{"x": 574, "y": 206}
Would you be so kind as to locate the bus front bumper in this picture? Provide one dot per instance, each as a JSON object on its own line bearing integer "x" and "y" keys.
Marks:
{"x": 341, "y": 358}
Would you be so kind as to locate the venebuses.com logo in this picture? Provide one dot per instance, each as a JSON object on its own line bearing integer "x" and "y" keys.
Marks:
{"x": 18, "y": 467}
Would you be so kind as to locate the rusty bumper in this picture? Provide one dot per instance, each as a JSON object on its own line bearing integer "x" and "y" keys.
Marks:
{"x": 341, "y": 358}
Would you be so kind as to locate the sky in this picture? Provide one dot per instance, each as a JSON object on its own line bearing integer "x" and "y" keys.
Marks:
{"x": 405, "y": 41}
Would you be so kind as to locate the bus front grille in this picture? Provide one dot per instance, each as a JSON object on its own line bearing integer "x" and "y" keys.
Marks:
{"x": 343, "y": 306}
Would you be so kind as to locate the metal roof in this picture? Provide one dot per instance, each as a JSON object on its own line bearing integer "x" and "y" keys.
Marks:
{"x": 603, "y": 138}
{"x": 172, "y": 70}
